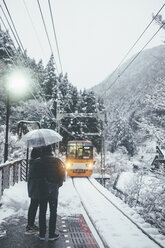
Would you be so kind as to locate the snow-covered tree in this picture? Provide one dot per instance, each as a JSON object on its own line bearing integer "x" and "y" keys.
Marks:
{"x": 50, "y": 80}
{"x": 120, "y": 134}
{"x": 7, "y": 49}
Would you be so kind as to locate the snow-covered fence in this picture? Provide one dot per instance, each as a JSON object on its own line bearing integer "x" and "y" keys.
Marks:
{"x": 11, "y": 173}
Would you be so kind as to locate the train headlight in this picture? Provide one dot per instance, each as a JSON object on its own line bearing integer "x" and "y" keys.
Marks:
{"x": 90, "y": 165}
{"x": 68, "y": 165}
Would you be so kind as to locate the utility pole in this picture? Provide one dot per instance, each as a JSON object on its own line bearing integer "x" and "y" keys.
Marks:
{"x": 103, "y": 155}
{"x": 57, "y": 114}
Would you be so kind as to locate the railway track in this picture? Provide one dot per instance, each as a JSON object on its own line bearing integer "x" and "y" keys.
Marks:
{"x": 121, "y": 230}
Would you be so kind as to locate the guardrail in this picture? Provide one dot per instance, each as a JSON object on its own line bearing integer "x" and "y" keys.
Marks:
{"x": 11, "y": 173}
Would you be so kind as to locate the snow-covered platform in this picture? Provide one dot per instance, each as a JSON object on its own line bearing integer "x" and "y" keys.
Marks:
{"x": 74, "y": 233}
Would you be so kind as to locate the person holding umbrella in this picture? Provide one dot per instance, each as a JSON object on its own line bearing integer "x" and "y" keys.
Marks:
{"x": 47, "y": 175}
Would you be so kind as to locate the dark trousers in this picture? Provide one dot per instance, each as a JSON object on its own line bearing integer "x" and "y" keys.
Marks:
{"x": 32, "y": 211}
{"x": 53, "y": 216}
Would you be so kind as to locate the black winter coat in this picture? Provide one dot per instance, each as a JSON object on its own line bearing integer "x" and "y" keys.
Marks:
{"x": 46, "y": 175}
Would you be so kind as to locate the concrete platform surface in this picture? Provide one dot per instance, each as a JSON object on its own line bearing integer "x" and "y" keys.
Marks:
{"x": 74, "y": 233}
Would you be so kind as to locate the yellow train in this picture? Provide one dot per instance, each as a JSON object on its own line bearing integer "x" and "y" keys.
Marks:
{"x": 79, "y": 158}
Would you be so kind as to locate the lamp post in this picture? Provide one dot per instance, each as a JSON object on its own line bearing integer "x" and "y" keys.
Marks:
{"x": 16, "y": 83}
{"x": 7, "y": 128}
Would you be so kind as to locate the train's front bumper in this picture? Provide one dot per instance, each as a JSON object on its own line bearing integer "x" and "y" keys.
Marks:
{"x": 79, "y": 173}
{"x": 79, "y": 169}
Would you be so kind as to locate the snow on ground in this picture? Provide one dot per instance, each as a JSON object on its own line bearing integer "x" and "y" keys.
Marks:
{"x": 69, "y": 202}
{"x": 147, "y": 184}
{"x": 15, "y": 201}
{"x": 132, "y": 214}
{"x": 113, "y": 226}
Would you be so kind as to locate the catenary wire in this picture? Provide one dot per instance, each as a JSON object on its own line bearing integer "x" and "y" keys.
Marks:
{"x": 3, "y": 23}
{"x": 33, "y": 26}
{"x": 7, "y": 31}
{"x": 13, "y": 26}
{"x": 55, "y": 36}
{"x": 133, "y": 59}
{"x": 43, "y": 21}
{"x": 7, "y": 52}
{"x": 137, "y": 40}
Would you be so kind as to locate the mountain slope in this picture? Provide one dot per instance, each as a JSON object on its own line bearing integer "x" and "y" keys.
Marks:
{"x": 136, "y": 101}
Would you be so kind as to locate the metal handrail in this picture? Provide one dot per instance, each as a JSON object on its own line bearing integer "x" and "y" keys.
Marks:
{"x": 11, "y": 173}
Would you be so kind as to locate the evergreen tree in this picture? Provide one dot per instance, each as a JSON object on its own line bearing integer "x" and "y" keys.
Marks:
{"x": 74, "y": 100}
{"x": 49, "y": 87}
{"x": 40, "y": 79}
{"x": 83, "y": 102}
{"x": 91, "y": 102}
{"x": 50, "y": 80}
{"x": 7, "y": 49}
{"x": 120, "y": 134}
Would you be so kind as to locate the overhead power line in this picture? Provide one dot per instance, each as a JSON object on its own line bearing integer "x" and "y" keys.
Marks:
{"x": 13, "y": 26}
{"x": 46, "y": 31}
{"x": 10, "y": 28}
{"x": 135, "y": 57}
{"x": 132, "y": 48}
{"x": 55, "y": 36}
{"x": 138, "y": 39}
{"x": 7, "y": 52}
{"x": 3, "y": 23}
{"x": 7, "y": 31}
{"x": 104, "y": 92}
{"x": 33, "y": 26}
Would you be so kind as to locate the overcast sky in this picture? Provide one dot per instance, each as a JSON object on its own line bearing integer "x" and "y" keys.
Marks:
{"x": 93, "y": 35}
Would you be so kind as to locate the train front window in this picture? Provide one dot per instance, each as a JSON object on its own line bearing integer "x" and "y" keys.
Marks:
{"x": 87, "y": 152}
{"x": 71, "y": 151}
{"x": 79, "y": 151}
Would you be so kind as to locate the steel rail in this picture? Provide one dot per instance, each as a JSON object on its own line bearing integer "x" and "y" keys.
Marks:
{"x": 86, "y": 211}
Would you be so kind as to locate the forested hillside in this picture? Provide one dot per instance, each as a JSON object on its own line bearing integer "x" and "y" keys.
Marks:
{"x": 46, "y": 90}
{"x": 136, "y": 102}
{"x": 136, "y": 122}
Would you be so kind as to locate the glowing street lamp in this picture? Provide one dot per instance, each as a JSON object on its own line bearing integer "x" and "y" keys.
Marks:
{"x": 16, "y": 83}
